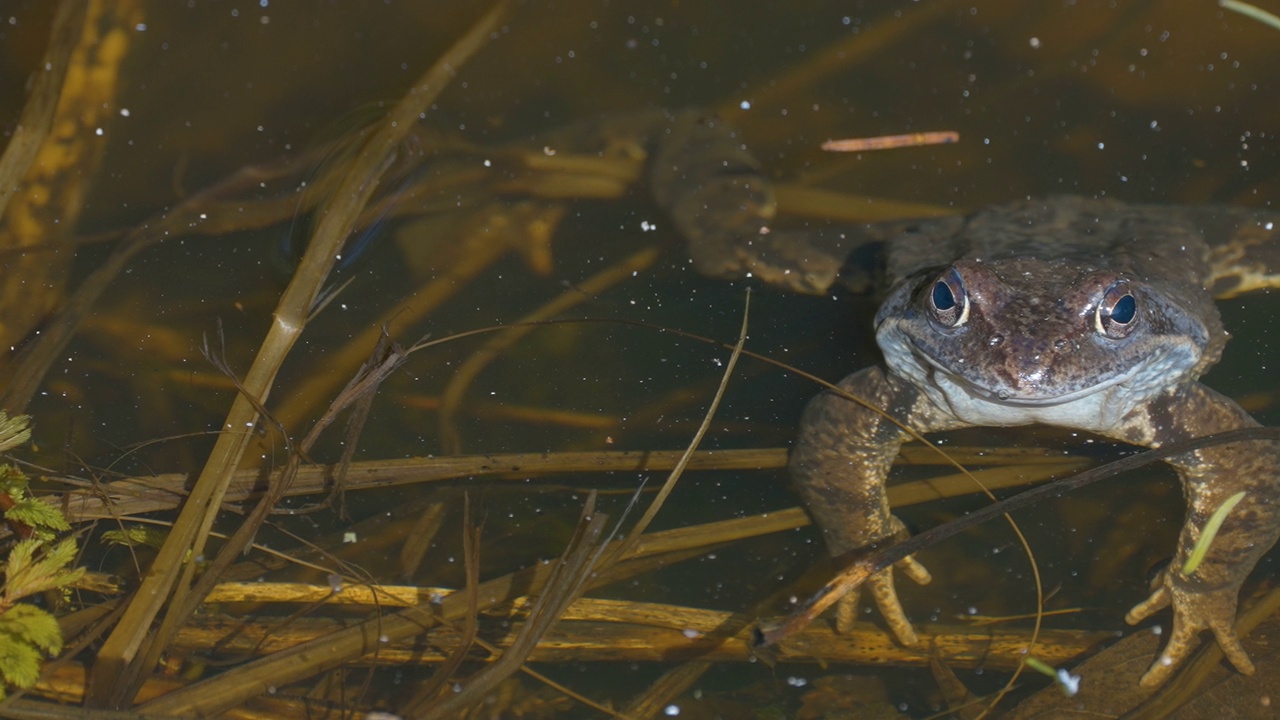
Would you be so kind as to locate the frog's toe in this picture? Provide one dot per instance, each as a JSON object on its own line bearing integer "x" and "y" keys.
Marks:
{"x": 886, "y": 598}
{"x": 1158, "y": 600}
{"x": 914, "y": 570}
{"x": 1232, "y": 648}
{"x": 847, "y": 611}
{"x": 1181, "y": 641}
{"x": 1193, "y": 611}
{"x": 1184, "y": 640}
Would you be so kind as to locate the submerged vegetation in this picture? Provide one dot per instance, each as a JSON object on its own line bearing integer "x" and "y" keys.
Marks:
{"x": 39, "y": 562}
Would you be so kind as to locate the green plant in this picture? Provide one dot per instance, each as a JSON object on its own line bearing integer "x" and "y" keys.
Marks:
{"x": 36, "y": 563}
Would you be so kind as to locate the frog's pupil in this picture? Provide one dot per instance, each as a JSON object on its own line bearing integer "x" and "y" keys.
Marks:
{"x": 1124, "y": 310}
{"x": 943, "y": 298}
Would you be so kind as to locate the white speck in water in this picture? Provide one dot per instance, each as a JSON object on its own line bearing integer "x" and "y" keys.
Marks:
{"x": 1035, "y": 43}
{"x": 744, "y": 105}
{"x": 671, "y": 710}
{"x": 1070, "y": 683}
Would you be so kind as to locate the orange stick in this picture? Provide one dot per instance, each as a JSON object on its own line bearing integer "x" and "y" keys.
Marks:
{"x": 888, "y": 142}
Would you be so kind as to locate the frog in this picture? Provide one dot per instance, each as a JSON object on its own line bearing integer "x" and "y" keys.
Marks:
{"x": 1089, "y": 314}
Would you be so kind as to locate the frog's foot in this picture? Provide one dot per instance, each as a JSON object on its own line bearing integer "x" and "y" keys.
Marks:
{"x": 886, "y": 599}
{"x": 1193, "y": 611}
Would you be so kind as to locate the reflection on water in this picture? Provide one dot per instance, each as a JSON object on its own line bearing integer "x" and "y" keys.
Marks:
{"x": 1152, "y": 102}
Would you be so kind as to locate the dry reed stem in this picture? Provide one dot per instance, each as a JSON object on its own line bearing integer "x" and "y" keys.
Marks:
{"x": 599, "y": 630}
{"x": 427, "y": 692}
{"x": 569, "y": 576}
{"x": 343, "y": 645}
{"x": 115, "y": 676}
{"x": 134, "y": 496}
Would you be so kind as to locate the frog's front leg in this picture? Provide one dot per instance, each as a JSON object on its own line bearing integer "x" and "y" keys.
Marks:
{"x": 839, "y": 465}
{"x": 1205, "y": 599}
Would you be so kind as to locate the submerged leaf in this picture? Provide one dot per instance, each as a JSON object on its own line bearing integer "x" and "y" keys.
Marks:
{"x": 32, "y": 625}
{"x": 136, "y": 535}
{"x": 38, "y": 514}
{"x": 19, "y": 662}
{"x": 20, "y": 560}
{"x": 26, "y": 575}
{"x": 14, "y": 430}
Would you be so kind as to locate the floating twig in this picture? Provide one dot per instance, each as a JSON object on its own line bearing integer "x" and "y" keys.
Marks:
{"x": 889, "y": 142}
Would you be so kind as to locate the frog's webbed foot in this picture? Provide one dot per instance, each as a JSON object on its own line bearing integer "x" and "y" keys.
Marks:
{"x": 1193, "y": 611}
{"x": 885, "y": 596}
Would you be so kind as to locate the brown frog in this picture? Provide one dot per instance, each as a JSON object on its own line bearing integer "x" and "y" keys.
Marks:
{"x": 1093, "y": 315}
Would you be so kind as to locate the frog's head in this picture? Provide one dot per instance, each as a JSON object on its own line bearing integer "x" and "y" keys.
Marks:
{"x": 1021, "y": 341}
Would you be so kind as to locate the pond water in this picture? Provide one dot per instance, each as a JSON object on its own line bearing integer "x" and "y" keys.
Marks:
{"x": 1158, "y": 102}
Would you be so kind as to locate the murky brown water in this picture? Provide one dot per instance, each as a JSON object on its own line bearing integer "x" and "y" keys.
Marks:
{"x": 1143, "y": 101}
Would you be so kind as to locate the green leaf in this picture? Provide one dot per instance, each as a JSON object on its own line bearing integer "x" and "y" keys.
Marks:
{"x": 34, "y": 626}
{"x": 62, "y": 555}
{"x": 27, "y": 575}
{"x": 19, "y": 662}
{"x": 1210, "y": 532}
{"x": 13, "y": 482}
{"x": 14, "y": 430}
{"x": 38, "y": 514}
{"x": 20, "y": 559}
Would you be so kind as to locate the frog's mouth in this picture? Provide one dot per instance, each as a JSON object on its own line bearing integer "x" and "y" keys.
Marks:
{"x": 943, "y": 376}
{"x": 1096, "y": 407}
{"x": 1120, "y": 390}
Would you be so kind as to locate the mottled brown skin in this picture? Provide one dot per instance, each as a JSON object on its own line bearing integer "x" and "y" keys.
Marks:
{"x": 1087, "y": 314}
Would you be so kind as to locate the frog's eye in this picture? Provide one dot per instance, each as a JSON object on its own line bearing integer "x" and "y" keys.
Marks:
{"x": 948, "y": 299}
{"x": 1117, "y": 312}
